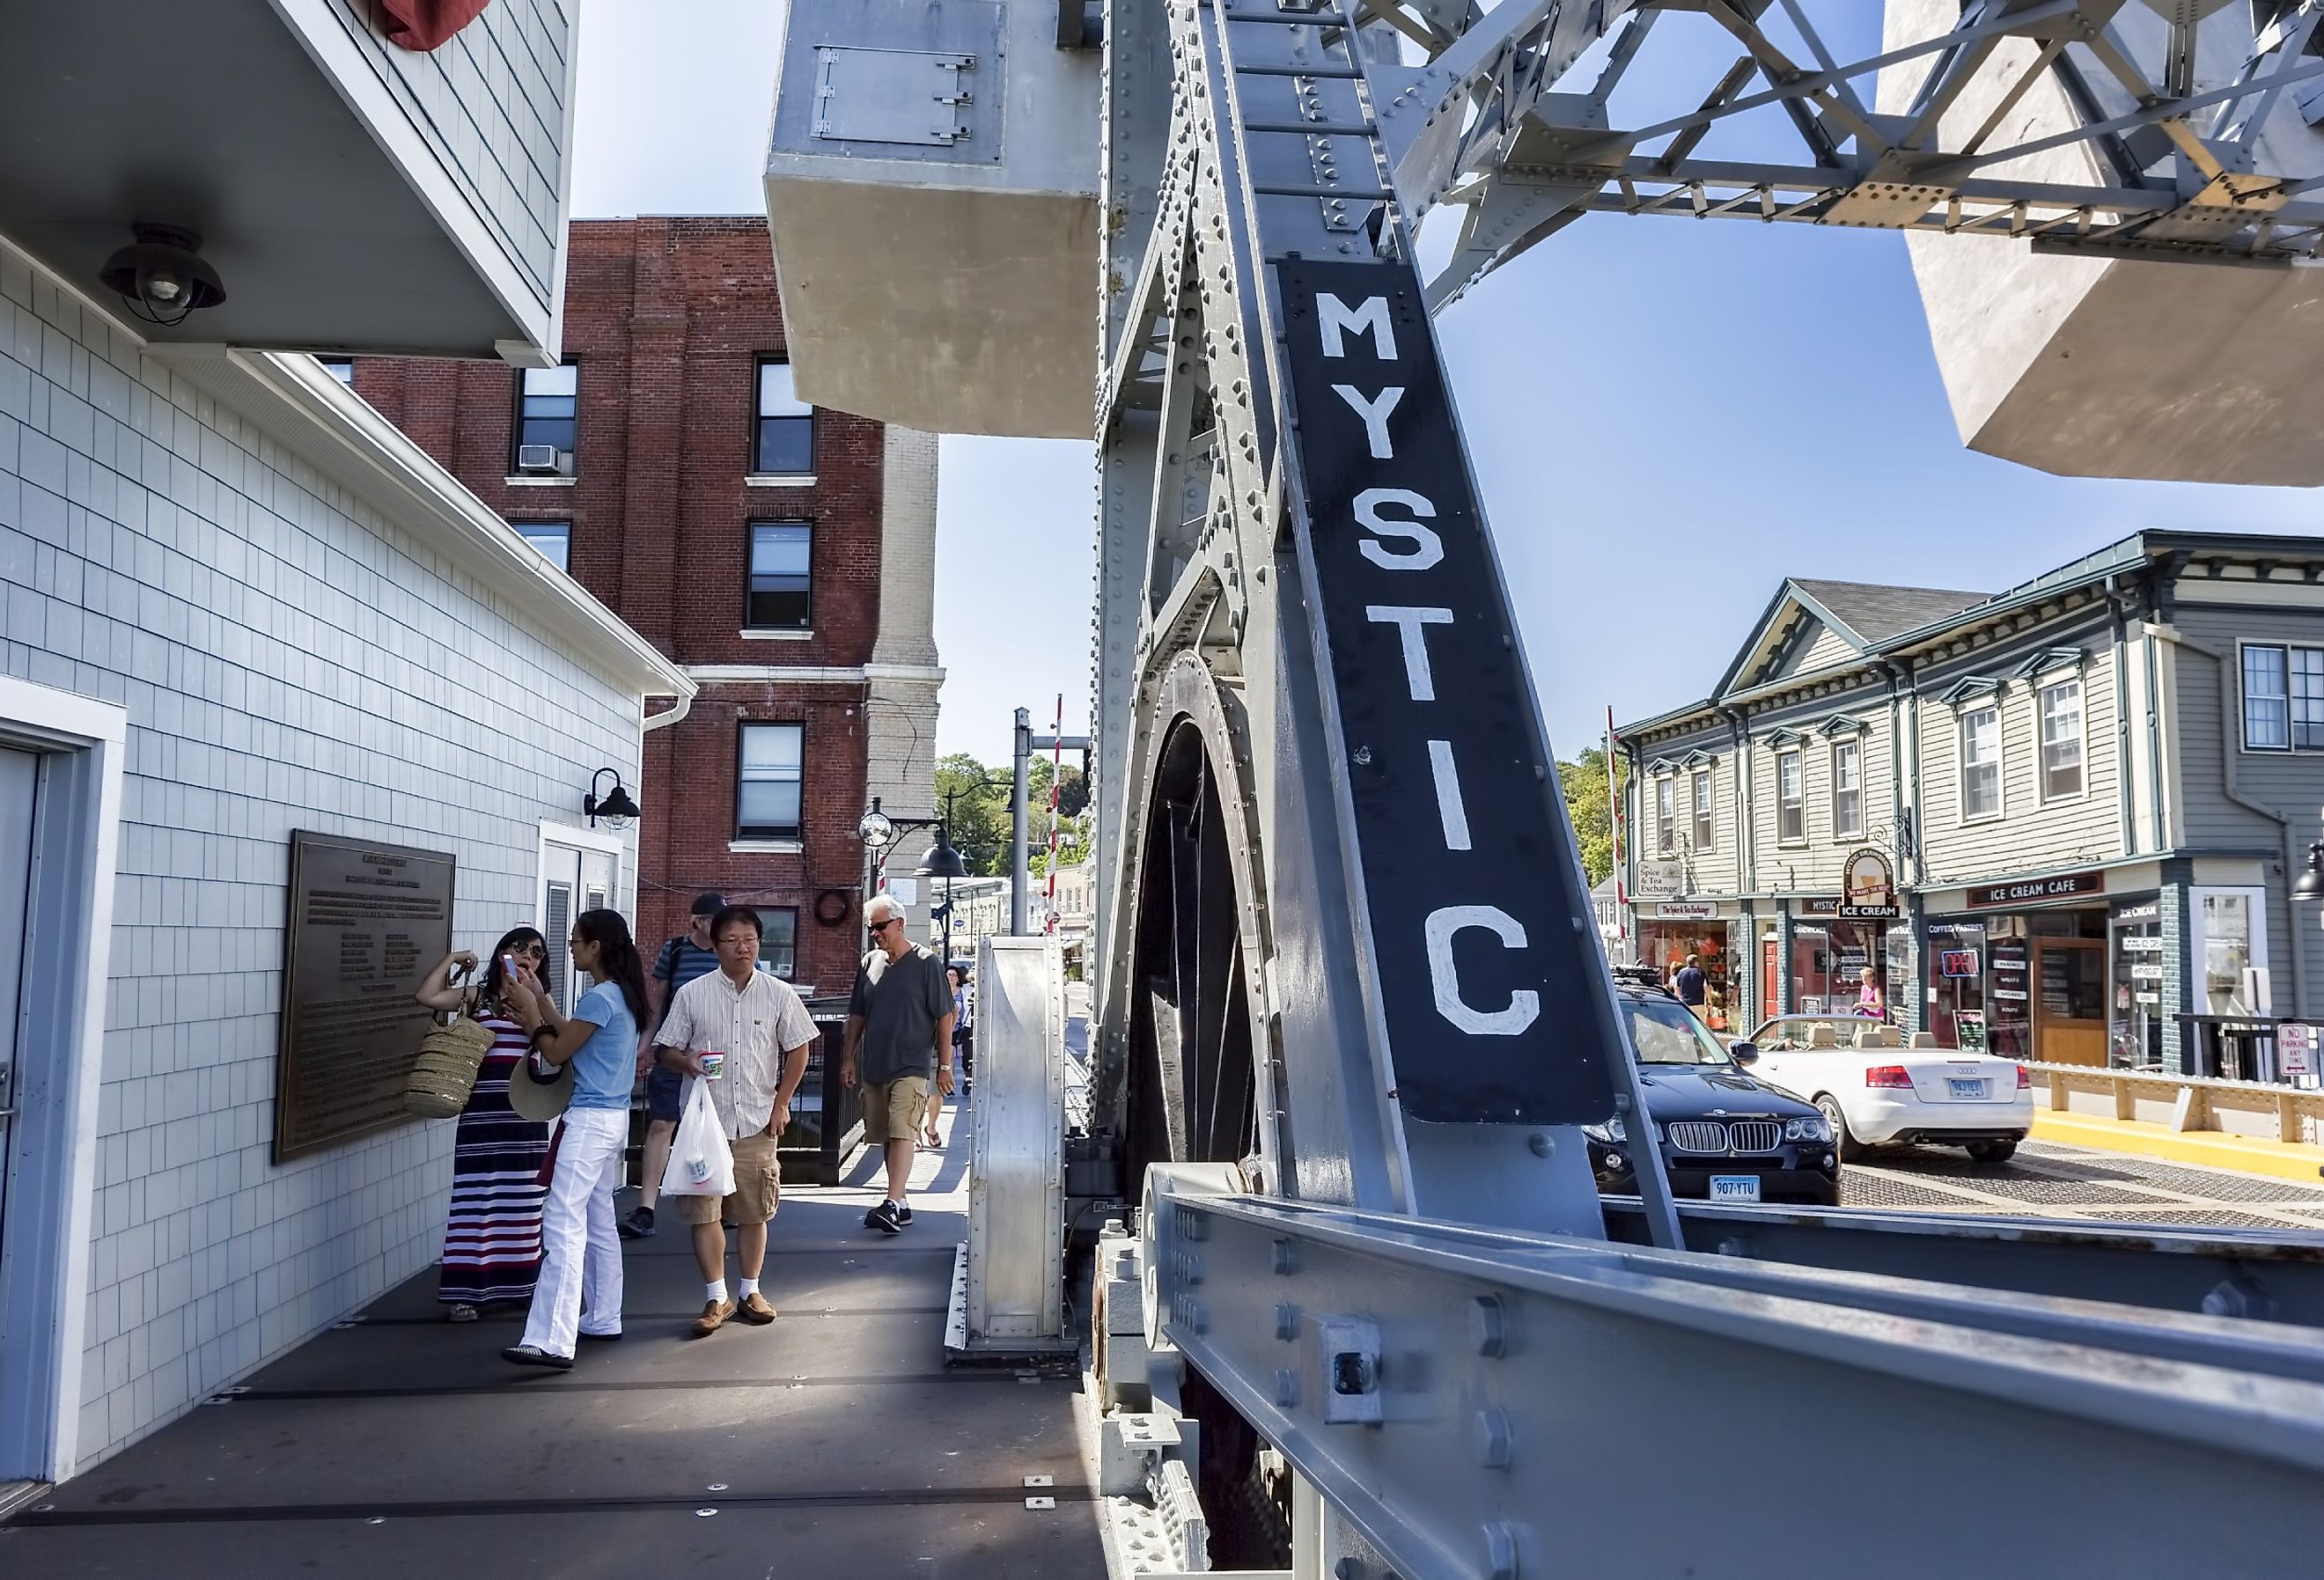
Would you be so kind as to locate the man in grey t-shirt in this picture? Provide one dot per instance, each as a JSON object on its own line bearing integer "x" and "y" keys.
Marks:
{"x": 900, "y": 1021}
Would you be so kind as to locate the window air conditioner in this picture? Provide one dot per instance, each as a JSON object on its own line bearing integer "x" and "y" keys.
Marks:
{"x": 536, "y": 457}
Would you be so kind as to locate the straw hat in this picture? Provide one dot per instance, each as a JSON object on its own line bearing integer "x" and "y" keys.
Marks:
{"x": 536, "y": 1099}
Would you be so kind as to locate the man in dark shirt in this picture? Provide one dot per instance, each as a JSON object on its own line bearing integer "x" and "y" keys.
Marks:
{"x": 690, "y": 954}
{"x": 899, "y": 1021}
{"x": 1689, "y": 984}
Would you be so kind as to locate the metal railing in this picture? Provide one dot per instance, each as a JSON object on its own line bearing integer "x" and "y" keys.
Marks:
{"x": 2232, "y": 1048}
{"x": 2263, "y": 1110}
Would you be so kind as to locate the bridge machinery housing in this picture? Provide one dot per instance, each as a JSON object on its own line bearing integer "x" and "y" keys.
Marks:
{"x": 1370, "y": 1317}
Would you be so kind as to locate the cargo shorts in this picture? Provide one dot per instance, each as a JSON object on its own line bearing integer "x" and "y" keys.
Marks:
{"x": 758, "y": 1187}
{"x": 894, "y": 1111}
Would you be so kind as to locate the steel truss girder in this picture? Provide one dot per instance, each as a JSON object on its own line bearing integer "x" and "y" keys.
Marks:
{"x": 1491, "y": 123}
{"x": 1481, "y": 1403}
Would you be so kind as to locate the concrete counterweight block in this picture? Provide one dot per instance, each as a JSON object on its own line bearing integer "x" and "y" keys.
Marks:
{"x": 932, "y": 186}
{"x": 2091, "y": 366}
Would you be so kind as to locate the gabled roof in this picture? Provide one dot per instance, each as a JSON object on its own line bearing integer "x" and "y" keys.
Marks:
{"x": 1867, "y": 613}
{"x": 1861, "y": 614}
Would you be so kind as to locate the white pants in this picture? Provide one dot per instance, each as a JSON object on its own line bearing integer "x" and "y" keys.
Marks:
{"x": 581, "y": 1252}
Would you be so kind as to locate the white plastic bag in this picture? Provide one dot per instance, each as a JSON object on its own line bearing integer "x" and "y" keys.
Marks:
{"x": 701, "y": 1163}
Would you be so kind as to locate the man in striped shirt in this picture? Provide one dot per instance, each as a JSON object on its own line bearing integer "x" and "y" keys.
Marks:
{"x": 690, "y": 954}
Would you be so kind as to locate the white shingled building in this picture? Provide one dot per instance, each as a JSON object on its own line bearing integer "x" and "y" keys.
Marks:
{"x": 237, "y": 604}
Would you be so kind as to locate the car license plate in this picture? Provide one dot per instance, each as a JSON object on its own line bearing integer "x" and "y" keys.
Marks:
{"x": 1973, "y": 1090}
{"x": 1734, "y": 1187}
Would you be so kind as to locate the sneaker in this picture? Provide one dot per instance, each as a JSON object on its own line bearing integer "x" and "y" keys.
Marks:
{"x": 884, "y": 1218}
{"x": 527, "y": 1355}
{"x": 713, "y": 1316}
{"x": 904, "y": 1217}
{"x": 638, "y": 1225}
{"x": 753, "y": 1308}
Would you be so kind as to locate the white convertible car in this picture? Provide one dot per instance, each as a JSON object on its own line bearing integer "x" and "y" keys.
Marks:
{"x": 1875, "y": 1087}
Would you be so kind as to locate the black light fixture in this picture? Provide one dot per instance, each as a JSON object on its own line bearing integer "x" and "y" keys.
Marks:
{"x": 943, "y": 861}
{"x": 162, "y": 275}
{"x": 616, "y": 808}
{"x": 2310, "y": 884}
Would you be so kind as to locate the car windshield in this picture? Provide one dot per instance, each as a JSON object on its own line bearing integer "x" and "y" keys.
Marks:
{"x": 1798, "y": 1031}
{"x": 1665, "y": 1033}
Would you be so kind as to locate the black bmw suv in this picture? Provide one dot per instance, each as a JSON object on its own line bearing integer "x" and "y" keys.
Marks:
{"x": 1725, "y": 1137}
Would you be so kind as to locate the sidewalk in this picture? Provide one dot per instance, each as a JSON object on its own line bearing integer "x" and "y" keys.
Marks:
{"x": 2210, "y": 1147}
{"x": 833, "y": 1441}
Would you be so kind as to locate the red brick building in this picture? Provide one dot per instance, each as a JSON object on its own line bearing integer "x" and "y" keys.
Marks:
{"x": 784, "y": 555}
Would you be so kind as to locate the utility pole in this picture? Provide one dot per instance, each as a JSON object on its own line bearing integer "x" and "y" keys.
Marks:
{"x": 1021, "y": 862}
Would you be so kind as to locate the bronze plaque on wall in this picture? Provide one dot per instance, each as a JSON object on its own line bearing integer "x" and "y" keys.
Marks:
{"x": 367, "y": 923}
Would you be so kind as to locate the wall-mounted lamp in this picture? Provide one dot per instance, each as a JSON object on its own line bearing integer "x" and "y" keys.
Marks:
{"x": 162, "y": 275}
{"x": 2310, "y": 884}
{"x": 943, "y": 861}
{"x": 616, "y": 808}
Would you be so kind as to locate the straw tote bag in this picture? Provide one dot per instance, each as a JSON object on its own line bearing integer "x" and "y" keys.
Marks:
{"x": 445, "y": 1071}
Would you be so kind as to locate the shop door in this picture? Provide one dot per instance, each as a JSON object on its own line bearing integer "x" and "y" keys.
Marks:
{"x": 2070, "y": 1024}
{"x": 1771, "y": 968}
{"x": 20, "y": 779}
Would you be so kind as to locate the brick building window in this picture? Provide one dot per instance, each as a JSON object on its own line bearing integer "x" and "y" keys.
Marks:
{"x": 553, "y": 538}
{"x": 342, "y": 368}
{"x": 779, "y": 939}
{"x": 781, "y": 559}
{"x": 767, "y": 787}
{"x": 548, "y": 421}
{"x": 783, "y": 443}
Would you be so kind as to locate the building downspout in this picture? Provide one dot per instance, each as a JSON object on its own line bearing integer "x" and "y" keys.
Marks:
{"x": 2293, "y": 850}
{"x": 2116, "y": 602}
{"x": 667, "y": 716}
{"x": 1746, "y": 850}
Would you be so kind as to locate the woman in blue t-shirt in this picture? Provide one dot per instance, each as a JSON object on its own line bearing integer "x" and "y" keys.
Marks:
{"x": 581, "y": 1252}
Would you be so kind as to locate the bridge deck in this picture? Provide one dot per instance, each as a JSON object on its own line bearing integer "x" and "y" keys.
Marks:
{"x": 834, "y": 1441}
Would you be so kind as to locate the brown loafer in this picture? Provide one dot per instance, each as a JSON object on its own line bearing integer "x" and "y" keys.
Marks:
{"x": 713, "y": 1316}
{"x": 754, "y": 1308}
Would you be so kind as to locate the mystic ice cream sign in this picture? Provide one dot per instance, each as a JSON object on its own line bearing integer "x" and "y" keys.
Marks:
{"x": 1487, "y": 974}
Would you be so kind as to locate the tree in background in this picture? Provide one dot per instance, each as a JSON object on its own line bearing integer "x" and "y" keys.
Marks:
{"x": 981, "y": 824}
{"x": 1584, "y": 783}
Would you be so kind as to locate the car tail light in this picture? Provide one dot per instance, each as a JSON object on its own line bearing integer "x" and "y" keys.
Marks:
{"x": 1889, "y": 1075}
{"x": 2024, "y": 1079}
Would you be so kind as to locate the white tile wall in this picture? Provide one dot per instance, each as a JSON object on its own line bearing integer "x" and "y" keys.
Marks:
{"x": 289, "y": 661}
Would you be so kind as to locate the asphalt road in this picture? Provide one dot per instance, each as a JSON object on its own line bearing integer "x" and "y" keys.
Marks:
{"x": 2047, "y": 1179}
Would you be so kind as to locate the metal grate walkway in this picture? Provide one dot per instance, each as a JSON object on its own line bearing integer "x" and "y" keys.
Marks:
{"x": 831, "y": 1442}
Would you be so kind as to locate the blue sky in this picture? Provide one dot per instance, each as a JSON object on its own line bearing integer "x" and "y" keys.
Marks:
{"x": 1666, "y": 417}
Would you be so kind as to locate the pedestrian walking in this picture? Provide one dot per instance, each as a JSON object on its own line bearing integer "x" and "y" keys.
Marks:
{"x": 1691, "y": 984}
{"x": 900, "y": 1021}
{"x": 581, "y": 1254}
{"x": 957, "y": 979}
{"x": 684, "y": 958}
{"x": 744, "y": 1033}
{"x": 492, "y": 1236}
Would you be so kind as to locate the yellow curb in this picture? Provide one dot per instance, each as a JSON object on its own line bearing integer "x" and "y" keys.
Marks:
{"x": 2242, "y": 1154}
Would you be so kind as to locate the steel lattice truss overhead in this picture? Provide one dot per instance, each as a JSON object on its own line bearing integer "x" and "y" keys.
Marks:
{"x": 2158, "y": 130}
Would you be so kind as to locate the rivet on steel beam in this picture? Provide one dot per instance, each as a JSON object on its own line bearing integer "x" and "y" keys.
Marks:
{"x": 1540, "y": 1145}
{"x": 1286, "y": 1387}
{"x": 1489, "y": 1321}
{"x": 1287, "y": 1322}
{"x": 1493, "y": 1442}
{"x": 1283, "y": 1256}
{"x": 1500, "y": 1550}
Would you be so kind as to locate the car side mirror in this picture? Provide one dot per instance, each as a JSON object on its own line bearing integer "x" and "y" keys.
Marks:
{"x": 1743, "y": 1053}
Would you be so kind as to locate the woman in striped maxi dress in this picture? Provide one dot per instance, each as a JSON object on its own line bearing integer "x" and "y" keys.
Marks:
{"x": 492, "y": 1237}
